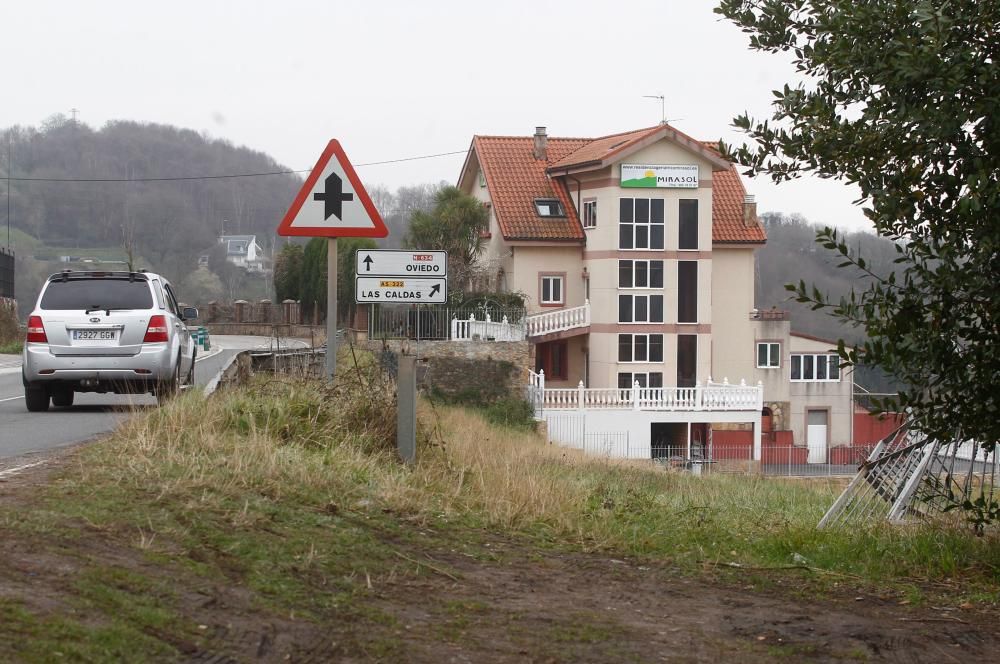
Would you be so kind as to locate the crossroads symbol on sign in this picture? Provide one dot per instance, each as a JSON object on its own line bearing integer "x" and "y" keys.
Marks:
{"x": 333, "y": 197}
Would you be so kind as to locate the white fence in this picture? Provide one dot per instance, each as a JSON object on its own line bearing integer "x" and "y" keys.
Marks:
{"x": 486, "y": 329}
{"x": 776, "y": 461}
{"x": 559, "y": 320}
{"x": 710, "y": 397}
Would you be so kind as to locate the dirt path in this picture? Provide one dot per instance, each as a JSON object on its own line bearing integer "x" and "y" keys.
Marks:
{"x": 487, "y": 599}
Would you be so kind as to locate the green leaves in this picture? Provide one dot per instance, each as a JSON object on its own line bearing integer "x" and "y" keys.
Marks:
{"x": 900, "y": 98}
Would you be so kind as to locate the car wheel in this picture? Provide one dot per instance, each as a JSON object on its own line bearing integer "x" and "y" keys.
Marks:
{"x": 62, "y": 397}
{"x": 36, "y": 398}
{"x": 168, "y": 388}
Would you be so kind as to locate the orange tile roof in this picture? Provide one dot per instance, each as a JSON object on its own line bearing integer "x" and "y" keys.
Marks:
{"x": 598, "y": 149}
{"x": 727, "y": 211}
{"x": 515, "y": 179}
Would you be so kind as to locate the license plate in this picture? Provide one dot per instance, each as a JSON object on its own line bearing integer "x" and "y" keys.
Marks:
{"x": 95, "y": 335}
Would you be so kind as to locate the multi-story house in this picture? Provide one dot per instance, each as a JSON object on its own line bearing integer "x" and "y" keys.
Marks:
{"x": 636, "y": 254}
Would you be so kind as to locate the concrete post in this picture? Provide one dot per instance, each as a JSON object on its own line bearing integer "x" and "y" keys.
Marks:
{"x": 406, "y": 408}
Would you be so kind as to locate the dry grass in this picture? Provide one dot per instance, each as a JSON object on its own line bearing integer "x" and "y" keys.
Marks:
{"x": 307, "y": 446}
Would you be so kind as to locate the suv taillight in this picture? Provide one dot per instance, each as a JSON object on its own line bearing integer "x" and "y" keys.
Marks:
{"x": 36, "y": 331}
{"x": 156, "y": 331}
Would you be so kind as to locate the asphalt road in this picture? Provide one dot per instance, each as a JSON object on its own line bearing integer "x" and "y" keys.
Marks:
{"x": 92, "y": 414}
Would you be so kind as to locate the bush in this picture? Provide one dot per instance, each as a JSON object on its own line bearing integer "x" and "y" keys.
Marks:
{"x": 10, "y": 332}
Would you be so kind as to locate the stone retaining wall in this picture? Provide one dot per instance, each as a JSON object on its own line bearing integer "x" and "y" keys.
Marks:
{"x": 468, "y": 370}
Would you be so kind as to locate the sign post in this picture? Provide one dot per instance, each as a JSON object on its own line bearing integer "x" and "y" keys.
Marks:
{"x": 332, "y": 203}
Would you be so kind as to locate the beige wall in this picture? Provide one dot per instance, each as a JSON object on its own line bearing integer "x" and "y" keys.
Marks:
{"x": 801, "y": 396}
{"x": 732, "y": 301}
{"x": 837, "y": 397}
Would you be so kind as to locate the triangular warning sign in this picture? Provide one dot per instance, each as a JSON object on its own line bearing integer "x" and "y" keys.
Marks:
{"x": 333, "y": 202}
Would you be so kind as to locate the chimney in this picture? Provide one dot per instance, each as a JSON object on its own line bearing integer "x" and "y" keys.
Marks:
{"x": 540, "y": 140}
{"x": 750, "y": 210}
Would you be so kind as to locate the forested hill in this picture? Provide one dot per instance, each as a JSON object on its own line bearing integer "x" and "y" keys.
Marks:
{"x": 171, "y": 220}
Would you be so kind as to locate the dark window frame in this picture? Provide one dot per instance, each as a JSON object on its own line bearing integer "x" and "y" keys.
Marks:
{"x": 687, "y": 291}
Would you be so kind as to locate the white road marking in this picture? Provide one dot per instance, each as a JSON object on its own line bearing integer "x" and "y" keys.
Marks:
{"x": 17, "y": 469}
{"x": 11, "y": 399}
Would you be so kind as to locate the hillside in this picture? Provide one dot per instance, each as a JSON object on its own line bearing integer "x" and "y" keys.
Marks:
{"x": 791, "y": 254}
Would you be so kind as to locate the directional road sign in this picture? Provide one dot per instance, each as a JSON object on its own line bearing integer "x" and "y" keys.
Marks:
{"x": 392, "y": 263}
{"x": 333, "y": 202}
{"x": 412, "y": 290}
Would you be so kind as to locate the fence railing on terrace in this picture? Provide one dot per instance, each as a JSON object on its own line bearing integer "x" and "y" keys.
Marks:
{"x": 712, "y": 396}
{"x": 486, "y": 330}
{"x": 559, "y": 320}
{"x": 443, "y": 323}
{"x": 778, "y": 461}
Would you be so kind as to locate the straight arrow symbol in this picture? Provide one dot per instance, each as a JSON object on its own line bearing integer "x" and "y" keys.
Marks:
{"x": 368, "y": 263}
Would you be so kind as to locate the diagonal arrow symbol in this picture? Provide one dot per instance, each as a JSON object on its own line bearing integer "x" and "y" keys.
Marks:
{"x": 435, "y": 289}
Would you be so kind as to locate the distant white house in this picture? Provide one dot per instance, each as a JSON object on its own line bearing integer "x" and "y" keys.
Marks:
{"x": 241, "y": 250}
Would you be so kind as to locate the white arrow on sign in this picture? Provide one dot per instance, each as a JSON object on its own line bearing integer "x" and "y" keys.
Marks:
{"x": 413, "y": 290}
{"x": 390, "y": 262}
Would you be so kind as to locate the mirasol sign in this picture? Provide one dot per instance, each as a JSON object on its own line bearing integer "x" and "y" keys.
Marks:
{"x": 676, "y": 176}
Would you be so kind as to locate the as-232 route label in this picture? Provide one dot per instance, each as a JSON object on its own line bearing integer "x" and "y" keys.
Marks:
{"x": 413, "y": 290}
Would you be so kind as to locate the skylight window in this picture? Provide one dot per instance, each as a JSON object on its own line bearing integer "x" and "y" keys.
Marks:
{"x": 549, "y": 207}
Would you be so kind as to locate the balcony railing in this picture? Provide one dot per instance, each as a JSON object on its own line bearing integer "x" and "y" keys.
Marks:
{"x": 770, "y": 314}
{"x": 559, "y": 320}
{"x": 710, "y": 397}
{"x": 486, "y": 330}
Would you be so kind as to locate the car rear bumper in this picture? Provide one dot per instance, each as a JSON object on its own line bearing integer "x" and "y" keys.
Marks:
{"x": 92, "y": 372}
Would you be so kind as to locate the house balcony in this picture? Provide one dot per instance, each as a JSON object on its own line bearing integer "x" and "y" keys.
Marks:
{"x": 558, "y": 324}
{"x": 708, "y": 397}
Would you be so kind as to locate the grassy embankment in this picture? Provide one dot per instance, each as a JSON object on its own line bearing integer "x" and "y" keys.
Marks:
{"x": 290, "y": 490}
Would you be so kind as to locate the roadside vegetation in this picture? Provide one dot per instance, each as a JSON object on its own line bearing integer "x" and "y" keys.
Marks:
{"x": 289, "y": 491}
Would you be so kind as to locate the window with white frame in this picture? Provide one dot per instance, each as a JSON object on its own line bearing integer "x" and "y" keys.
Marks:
{"x": 640, "y": 274}
{"x": 768, "y": 355}
{"x": 640, "y": 223}
{"x": 590, "y": 214}
{"x": 640, "y": 347}
{"x": 640, "y": 308}
{"x": 552, "y": 290}
{"x": 645, "y": 379}
{"x": 549, "y": 207}
{"x": 815, "y": 367}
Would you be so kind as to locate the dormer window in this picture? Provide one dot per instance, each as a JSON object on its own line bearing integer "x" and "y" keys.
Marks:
{"x": 549, "y": 207}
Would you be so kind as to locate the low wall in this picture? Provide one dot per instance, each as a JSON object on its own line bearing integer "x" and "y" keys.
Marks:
{"x": 315, "y": 333}
{"x": 470, "y": 370}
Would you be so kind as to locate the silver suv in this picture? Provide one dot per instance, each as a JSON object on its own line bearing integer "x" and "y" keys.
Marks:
{"x": 119, "y": 332}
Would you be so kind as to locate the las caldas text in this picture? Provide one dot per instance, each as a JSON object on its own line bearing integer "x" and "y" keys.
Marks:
{"x": 395, "y": 289}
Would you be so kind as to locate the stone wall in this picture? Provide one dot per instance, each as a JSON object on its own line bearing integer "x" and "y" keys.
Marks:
{"x": 469, "y": 370}
{"x": 314, "y": 333}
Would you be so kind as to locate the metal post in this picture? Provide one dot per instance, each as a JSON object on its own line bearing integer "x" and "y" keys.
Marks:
{"x": 406, "y": 408}
{"x": 331, "y": 308}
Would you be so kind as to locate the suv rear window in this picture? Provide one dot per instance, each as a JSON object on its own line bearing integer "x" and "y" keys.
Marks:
{"x": 97, "y": 294}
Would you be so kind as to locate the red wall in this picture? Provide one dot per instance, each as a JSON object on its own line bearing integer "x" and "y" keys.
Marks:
{"x": 869, "y": 429}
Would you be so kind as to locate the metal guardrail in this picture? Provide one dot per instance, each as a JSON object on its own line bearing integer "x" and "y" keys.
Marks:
{"x": 242, "y": 366}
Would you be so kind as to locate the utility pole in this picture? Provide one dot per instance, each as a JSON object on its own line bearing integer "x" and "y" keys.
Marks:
{"x": 73, "y": 112}
{"x": 10, "y": 165}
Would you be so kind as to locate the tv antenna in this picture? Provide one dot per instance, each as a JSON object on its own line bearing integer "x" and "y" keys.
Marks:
{"x": 663, "y": 108}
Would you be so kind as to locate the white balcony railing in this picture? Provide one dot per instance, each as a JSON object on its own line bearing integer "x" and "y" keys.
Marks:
{"x": 710, "y": 397}
{"x": 486, "y": 330}
{"x": 559, "y": 320}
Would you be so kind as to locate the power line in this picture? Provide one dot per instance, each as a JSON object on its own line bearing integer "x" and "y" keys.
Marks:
{"x": 227, "y": 176}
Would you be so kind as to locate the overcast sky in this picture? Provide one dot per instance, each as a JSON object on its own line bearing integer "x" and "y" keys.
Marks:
{"x": 394, "y": 78}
